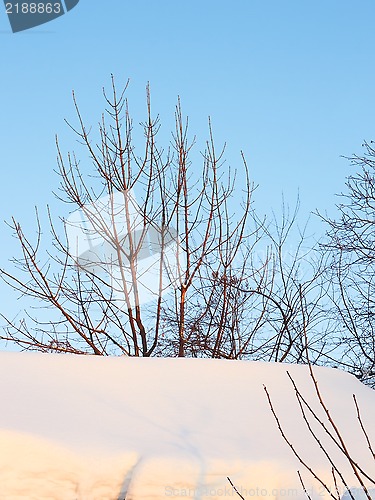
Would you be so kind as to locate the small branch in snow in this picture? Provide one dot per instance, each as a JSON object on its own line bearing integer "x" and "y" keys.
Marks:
{"x": 235, "y": 489}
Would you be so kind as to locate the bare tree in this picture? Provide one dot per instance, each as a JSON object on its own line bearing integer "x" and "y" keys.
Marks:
{"x": 160, "y": 256}
{"x": 250, "y": 307}
{"x": 143, "y": 225}
{"x": 350, "y": 245}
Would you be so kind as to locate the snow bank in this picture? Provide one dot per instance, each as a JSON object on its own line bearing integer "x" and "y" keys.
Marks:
{"x": 104, "y": 428}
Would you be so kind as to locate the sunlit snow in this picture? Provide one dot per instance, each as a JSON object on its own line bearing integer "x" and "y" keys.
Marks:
{"x": 86, "y": 427}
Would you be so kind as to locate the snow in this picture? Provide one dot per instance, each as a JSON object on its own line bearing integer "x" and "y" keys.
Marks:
{"x": 88, "y": 427}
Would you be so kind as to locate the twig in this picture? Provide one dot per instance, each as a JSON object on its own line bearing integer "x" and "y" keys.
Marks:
{"x": 363, "y": 428}
{"x": 292, "y": 447}
{"x": 303, "y": 485}
{"x": 235, "y": 489}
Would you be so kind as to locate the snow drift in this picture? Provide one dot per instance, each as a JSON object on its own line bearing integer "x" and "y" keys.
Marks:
{"x": 86, "y": 427}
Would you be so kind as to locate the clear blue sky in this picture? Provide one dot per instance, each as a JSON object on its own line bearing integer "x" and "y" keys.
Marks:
{"x": 290, "y": 82}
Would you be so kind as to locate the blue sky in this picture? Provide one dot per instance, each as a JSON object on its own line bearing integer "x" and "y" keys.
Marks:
{"x": 291, "y": 83}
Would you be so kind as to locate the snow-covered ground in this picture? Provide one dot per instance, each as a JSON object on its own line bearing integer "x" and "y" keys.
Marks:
{"x": 92, "y": 428}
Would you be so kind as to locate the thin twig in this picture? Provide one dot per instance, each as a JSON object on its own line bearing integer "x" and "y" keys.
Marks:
{"x": 235, "y": 489}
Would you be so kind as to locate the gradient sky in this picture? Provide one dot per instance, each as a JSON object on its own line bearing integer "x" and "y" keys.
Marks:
{"x": 289, "y": 82}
